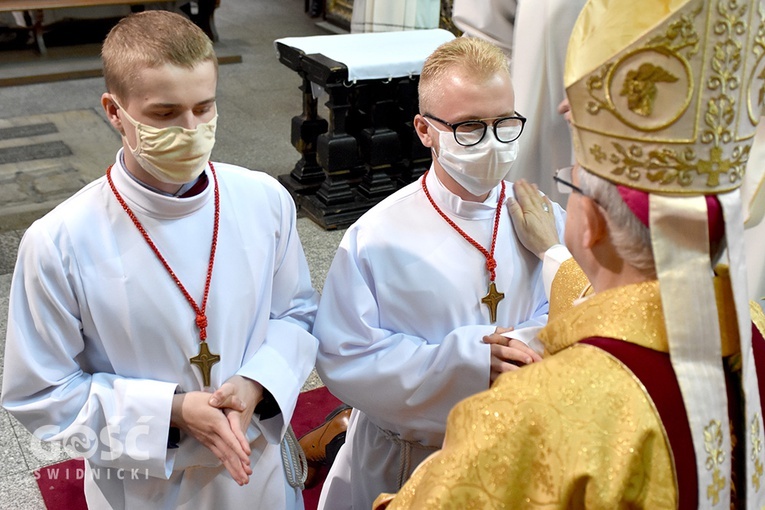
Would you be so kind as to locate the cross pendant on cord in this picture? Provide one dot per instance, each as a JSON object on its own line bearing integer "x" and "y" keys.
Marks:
{"x": 491, "y": 300}
{"x": 205, "y": 360}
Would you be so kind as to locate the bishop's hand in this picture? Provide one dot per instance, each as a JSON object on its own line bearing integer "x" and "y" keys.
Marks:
{"x": 564, "y": 108}
{"x": 533, "y": 218}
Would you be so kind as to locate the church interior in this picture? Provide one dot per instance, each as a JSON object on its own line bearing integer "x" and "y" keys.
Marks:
{"x": 338, "y": 142}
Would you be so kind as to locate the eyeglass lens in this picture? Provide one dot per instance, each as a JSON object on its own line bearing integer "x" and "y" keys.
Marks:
{"x": 563, "y": 179}
{"x": 470, "y": 133}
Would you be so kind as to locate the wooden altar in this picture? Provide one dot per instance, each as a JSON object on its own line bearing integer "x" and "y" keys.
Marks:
{"x": 367, "y": 148}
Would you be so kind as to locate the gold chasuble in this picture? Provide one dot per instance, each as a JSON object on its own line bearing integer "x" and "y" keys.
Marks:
{"x": 580, "y": 429}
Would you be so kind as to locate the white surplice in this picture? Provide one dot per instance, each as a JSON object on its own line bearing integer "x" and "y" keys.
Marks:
{"x": 400, "y": 328}
{"x": 540, "y": 40}
{"x": 99, "y": 336}
{"x": 492, "y": 20}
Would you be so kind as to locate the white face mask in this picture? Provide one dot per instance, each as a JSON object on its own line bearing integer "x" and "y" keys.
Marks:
{"x": 173, "y": 155}
{"x": 479, "y": 168}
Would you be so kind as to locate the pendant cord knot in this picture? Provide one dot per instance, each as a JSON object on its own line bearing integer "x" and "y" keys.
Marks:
{"x": 491, "y": 265}
{"x": 494, "y": 297}
{"x": 205, "y": 359}
{"x": 202, "y": 325}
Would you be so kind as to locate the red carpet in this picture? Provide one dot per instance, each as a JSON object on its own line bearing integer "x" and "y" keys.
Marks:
{"x": 61, "y": 484}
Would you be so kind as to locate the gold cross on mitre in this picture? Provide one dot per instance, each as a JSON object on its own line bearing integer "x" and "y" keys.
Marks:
{"x": 714, "y": 166}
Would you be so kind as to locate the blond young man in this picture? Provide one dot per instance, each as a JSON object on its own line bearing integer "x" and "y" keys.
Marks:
{"x": 166, "y": 279}
{"x": 412, "y": 309}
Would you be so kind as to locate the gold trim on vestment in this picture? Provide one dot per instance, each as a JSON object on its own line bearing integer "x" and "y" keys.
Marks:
{"x": 567, "y": 286}
{"x": 631, "y": 313}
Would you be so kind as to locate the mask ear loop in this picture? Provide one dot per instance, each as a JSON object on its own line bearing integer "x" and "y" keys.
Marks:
{"x": 132, "y": 122}
{"x": 116, "y": 103}
{"x": 432, "y": 149}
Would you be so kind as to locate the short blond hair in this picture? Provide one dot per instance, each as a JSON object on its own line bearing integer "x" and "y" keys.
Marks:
{"x": 475, "y": 57}
{"x": 151, "y": 39}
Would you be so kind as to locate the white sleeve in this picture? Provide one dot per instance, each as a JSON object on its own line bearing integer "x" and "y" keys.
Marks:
{"x": 527, "y": 331}
{"x": 399, "y": 378}
{"x": 553, "y": 258}
{"x": 113, "y": 421}
{"x": 287, "y": 355}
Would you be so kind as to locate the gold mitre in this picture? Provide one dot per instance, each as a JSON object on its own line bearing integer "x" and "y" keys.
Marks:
{"x": 666, "y": 94}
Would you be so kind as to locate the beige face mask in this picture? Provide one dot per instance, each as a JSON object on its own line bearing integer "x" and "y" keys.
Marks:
{"x": 173, "y": 155}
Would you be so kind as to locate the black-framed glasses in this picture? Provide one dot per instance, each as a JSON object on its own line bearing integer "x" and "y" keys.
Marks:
{"x": 470, "y": 132}
{"x": 563, "y": 177}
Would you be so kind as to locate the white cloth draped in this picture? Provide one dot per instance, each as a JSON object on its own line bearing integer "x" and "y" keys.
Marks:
{"x": 540, "y": 40}
{"x": 753, "y": 194}
{"x": 374, "y": 56}
{"x": 99, "y": 336}
{"x": 754, "y": 240}
{"x": 401, "y": 322}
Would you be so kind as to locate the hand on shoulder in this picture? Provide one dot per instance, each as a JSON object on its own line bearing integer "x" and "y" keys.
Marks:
{"x": 533, "y": 218}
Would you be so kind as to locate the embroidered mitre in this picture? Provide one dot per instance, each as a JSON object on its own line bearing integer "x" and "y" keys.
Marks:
{"x": 666, "y": 95}
{"x": 665, "y": 98}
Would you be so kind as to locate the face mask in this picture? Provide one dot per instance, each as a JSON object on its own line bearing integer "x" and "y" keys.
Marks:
{"x": 173, "y": 155}
{"x": 480, "y": 168}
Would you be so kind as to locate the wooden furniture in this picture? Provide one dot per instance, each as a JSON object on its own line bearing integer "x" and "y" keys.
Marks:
{"x": 202, "y": 16}
{"x": 367, "y": 149}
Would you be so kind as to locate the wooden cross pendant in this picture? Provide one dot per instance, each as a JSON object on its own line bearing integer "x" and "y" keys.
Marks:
{"x": 491, "y": 300}
{"x": 205, "y": 360}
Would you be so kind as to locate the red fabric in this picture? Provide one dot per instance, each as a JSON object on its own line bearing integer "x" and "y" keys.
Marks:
{"x": 61, "y": 484}
{"x": 654, "y": 370}
{"x": 637, "y": 201}
{"x": 758, "y": 349}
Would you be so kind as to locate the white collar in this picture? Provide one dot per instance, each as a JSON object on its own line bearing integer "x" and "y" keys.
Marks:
{"x": 143, "y": 200}
{"x": 455, "y": 206}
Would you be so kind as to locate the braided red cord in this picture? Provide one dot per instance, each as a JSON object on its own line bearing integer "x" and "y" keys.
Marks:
{"x": 491, "y": 263}
{"x": 201, "y": 319}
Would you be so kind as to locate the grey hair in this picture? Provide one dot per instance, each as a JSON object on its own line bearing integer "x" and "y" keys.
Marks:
{"x": 631, "y": 239}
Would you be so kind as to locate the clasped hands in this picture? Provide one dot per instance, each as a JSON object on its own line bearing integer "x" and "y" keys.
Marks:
{"x": 220, "y": 420}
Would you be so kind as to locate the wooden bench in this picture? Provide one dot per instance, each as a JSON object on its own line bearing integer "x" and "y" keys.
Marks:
{"x": 202, "y": 16}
